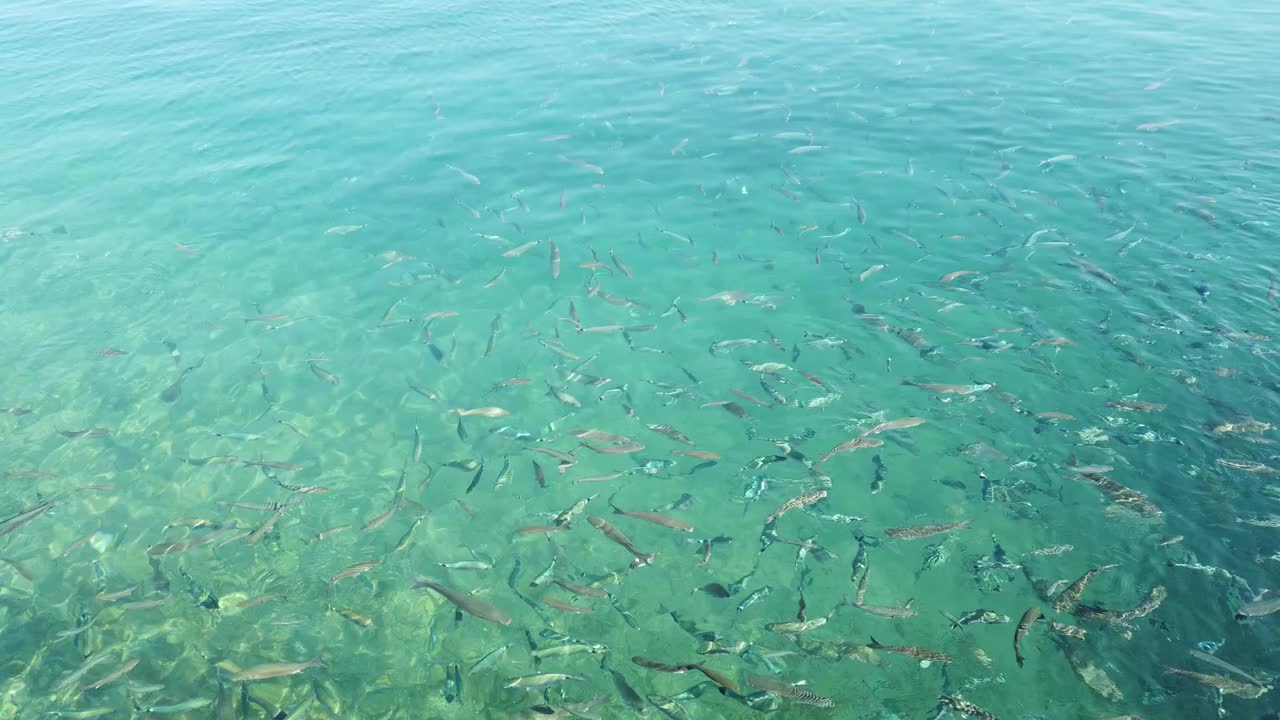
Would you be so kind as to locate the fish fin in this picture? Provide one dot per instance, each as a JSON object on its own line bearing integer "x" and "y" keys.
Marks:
{"x": 874, "y": 644}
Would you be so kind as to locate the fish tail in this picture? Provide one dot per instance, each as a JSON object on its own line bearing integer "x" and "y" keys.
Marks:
{"x": 874, "y": 644}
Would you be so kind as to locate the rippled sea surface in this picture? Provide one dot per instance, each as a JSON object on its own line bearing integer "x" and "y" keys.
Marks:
{"x": 256, "y": 257}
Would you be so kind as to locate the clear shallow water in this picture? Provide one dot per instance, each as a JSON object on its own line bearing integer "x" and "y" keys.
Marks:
{"x": 172, "y": 172}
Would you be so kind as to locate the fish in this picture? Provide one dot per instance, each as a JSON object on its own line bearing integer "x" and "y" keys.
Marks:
{"x": 182, "y": 707}
{"x": 174, "y": 391}
{"x": 716, "y": 677}
{"x": 617, "y": 262}
{"x": 87, "y": 433}
{"x": 615, "y": 535}
{"x": 582, "y": 164}
{"x": 788, "y": 691}
{"x": 624, "y": 449}
{"x": 191, "y": 543}
{"x": 353, "y": 616}
{"x": 487, "y": 412}
{"x": 672, "y": 433}
{"x": 913, "y": 651}
{"x": 540, "y": 681}
{"x": 858, "y": 443}
{"x": 872, "y": 270}
{"x": 353, "y": 570}
{"x": 714, "y": 590}
{"x": 584, "y": 590}
{"x": 629, "y": 695}
{"x": 653, "y": 517}
{"x": 1024, "y": 625}
{"x": 1091, "y": 269}
{"x": 563, "y": 606}
{"x": 1056, "y": 159}
{"x": 956, "y": 274}
{"x": 521, "y": 249}
{"x": 1135, "y": 405}
{"x": 889, "y": 611}
{"x": 754, "y": 597}
{"x": 795, "y": 502}
{"x": 697, "y": 454}
{"x": 464, "y": 175}
{"x": 381, "y": 519}
{"x": 600, "y": 478}
{"x": 1266, "y": 604}
{"x": 467, "y": 565}
{"x": 113, "y": 676}
{"x": 649, "y": 664}
{"x": 1067, "y": 599}
{"x": 272, "y": 464}
{"x": 899, "y": 424}
{"x": 1226, "y": 685}
{"x": 915, "y": 532}
{"x": 798, "y": 627}
{"x": 452, "y": 683}
{"x": 964, "y": 707}
{"x": 490, "y": 659}
{"x": 600, "y": 436}
{"x": 1225, "y": 666}
{"x": 323, "y": 374}
{"x": 465, "y": 601}
{"x": 504, "y": 475}
{"x": 1154, "y": 126}
{"x": 945, "y": 389}
{"x": 1063, "y": 629}
{"x": 555, "y": 260}
{"x": 274, "y": 670}
{"x": 569, "y": 648}
{"x": 1249, "y": 466}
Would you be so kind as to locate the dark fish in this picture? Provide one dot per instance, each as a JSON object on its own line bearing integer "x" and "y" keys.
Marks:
{"x": 648, "y": 664}
{"x": 174, "y": 391}
{"x": 715, "y": 590}
{"x": 1028, "y": 619}
{"x": 453, "y": 683}
{"x": 537, "y": 473}
{"x": 475, "y": 479}
{"x": 462, "y": 431}
{"x": 912, "y": 651}
{"x": 628, "y": 693}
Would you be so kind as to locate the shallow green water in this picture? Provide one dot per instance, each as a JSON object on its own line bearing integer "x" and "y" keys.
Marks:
{"x": 232, "y": 195}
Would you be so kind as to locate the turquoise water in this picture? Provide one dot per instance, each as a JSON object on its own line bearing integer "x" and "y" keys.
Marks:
{"x": 222, "y": 226}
